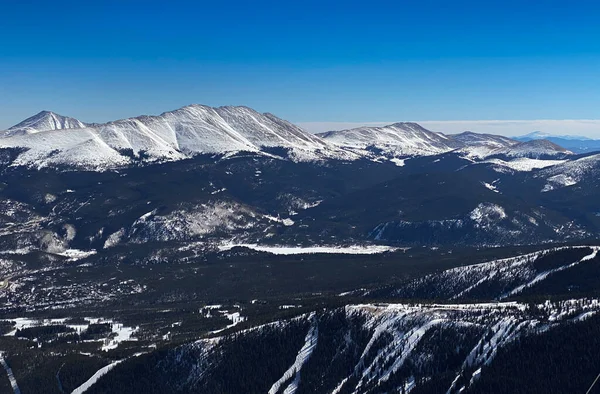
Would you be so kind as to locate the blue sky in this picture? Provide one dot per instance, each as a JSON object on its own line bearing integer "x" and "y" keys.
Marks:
{"x": 306, "y": 61}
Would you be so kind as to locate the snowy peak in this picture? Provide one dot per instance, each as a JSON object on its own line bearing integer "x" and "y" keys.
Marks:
{"x": 399, "y": 139}
{"x": 43, "y": 121}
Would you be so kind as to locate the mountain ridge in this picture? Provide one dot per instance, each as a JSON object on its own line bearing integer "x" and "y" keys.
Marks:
{"x": 199, "y": 129}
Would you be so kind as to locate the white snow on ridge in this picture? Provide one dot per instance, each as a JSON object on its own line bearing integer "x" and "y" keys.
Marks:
{"x": 288, "y": 250}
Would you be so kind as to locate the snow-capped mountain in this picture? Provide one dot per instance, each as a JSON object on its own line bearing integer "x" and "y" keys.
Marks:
{"x": 398, "y": 139}
{"x": 477, "y": 145}
{"x": 48, "y": 139}
{"x": 174, "y": 135}
{"x": 43, "y": 121}
{"x": 411, "y": 139}
{"x": 534, "y": 149}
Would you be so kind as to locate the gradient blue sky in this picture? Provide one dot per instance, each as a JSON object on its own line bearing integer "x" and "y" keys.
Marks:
{"x": 306, "y": 61}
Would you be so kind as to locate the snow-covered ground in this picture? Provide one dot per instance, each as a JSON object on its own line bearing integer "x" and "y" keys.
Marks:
{"x": 119, "y": 333}
{"x": 523, "y": 163}
{"x": 287, "y": 250}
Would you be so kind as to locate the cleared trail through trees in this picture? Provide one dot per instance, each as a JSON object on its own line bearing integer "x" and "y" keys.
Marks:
{"x": 11, "y": 376}
{"x": 593, "y": 384}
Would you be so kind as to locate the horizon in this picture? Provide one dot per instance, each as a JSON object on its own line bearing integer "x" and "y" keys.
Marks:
{"x": 585, "y": 128}
{"x": 308, "y": 63}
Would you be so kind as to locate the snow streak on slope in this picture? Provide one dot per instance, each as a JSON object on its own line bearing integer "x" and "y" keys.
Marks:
{"x": 401, "y": 332}
{"x": 310, "y": 342}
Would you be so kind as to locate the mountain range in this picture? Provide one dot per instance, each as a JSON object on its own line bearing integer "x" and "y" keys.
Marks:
{"x": 224, "y": 250}
{"x": 49, "y": 139}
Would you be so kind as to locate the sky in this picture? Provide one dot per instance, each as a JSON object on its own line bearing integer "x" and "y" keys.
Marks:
{"x": 316, "y": 63}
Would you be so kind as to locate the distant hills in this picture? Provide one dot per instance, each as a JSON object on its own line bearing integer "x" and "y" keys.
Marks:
{"x": 576, "y": 144}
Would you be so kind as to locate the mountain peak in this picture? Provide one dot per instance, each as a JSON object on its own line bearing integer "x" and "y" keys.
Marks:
{"x": 43, "y": 121}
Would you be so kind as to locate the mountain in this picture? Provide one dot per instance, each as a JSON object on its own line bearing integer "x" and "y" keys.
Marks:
{"x": 48, "y": 139}
{"x": 534, "y": 149}
{"x": 576, "y": 144}
{"x": 412, "y": 140}
{"x": 174, "y": 135}
{"x": 43, "y": 121}
{"x": 477, "y": 145}
{"x": 398, "y": 139}
{"x": 490, "y": 140}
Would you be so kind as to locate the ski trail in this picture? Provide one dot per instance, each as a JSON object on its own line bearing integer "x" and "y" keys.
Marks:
{"x": 543, "y": 275}
{"x": 90, "y": 382}
{"x": 310, "y": 342}
{"x": 485, "y": 350}
{"x": 340, "y": 386}
{"x": 11, "y": 376}
{"x": 410, "y": 342}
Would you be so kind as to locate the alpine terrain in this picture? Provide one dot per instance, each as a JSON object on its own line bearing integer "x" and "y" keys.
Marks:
{"x": 223, "y": 250}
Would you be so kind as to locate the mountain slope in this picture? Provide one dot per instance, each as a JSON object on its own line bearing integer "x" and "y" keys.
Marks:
{"x": 367, "y": 348}
{"x": 398, "y": 139}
